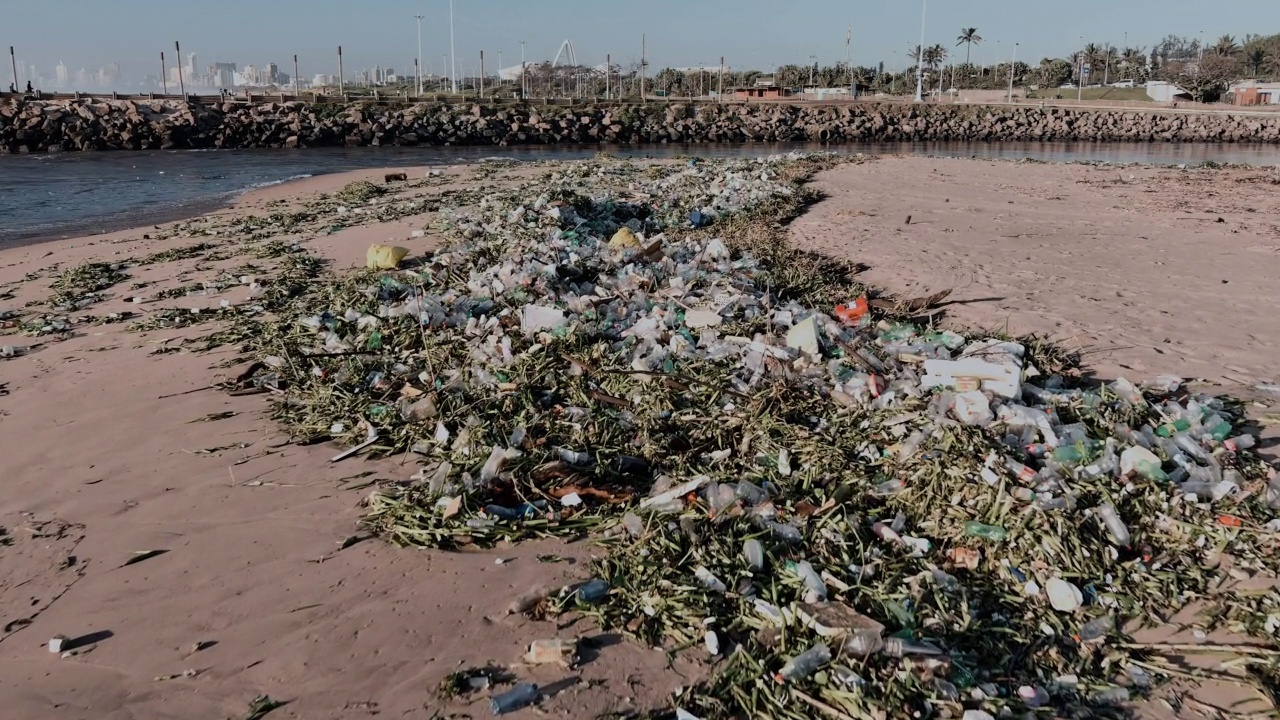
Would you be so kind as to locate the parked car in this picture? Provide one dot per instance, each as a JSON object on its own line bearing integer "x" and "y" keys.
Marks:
{"x": 1067, "y": 86}
{"x": 1123, "y": 84}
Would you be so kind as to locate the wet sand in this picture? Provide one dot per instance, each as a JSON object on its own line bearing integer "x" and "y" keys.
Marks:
{"x": 103, "y": 459}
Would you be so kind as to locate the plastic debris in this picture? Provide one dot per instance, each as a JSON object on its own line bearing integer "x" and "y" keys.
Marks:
{"x": 385, "y": 257}
{"x": 517, "y": 697}
{"x": 746, "y": 452}
{"x": 554, "y": 651}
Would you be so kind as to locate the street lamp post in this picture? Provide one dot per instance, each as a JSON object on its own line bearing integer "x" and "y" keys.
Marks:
{"x": 1080, "y": 82}
{"x": 1012, "y": 64}
{"x": 164, "y": 81}
{"x": 453, "y": 70}
{"x": 295, "y": 76}
{"x": 524, "y": 86}
{"x": 182, "y": 88}
{"x": 417, "y": 66}
{"x": 342, "y": 87}
{"x": 13, "y": 60}
{"x": 444, "y": 68}
{"x": 924, "y": 7}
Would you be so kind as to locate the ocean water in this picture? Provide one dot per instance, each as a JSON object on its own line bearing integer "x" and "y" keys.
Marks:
{"x": 71, "y": 194}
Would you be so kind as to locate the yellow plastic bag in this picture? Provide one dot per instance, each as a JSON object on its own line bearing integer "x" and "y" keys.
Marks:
{"x": 385, "y": 257}
{"x": 624, "y": 238}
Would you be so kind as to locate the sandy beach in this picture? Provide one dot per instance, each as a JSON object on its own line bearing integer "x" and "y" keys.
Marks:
{"x": 109, "y": 450}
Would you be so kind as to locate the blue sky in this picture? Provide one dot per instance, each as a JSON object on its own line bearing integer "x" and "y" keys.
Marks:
{"x": 749, "y": 33}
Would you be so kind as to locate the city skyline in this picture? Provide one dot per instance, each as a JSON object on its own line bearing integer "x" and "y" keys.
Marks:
{"x": 746, "y": 32}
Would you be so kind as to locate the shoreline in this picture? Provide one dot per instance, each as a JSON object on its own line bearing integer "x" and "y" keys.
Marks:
{"x": 330, "y": 161}
{"x": 263, "y": 556}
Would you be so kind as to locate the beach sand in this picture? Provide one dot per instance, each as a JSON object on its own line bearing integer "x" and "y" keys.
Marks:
{"x": 103, "y": 457}
{"x": 1146, "y": 270}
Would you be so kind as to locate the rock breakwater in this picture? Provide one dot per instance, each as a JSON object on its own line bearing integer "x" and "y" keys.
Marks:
{"x": 80, "y": 125}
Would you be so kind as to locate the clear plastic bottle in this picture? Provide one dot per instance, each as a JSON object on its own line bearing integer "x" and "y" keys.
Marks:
{"x": 805, "y": 664}
{"x": 753, "y": 551}
{"x": 863, "y": 642}
{"x": 517, "y": 697}
{"x": 786, "y": 533}
{"x": 816, "y": 589}
{"x": 709, "y": 580}
{"x": 895, "y": 647}
{"x": 889, "y": 488}
{"x": 1114, "y": 525}
{"x": 1239, "y": 442}
{"x": 1190, "y": 447}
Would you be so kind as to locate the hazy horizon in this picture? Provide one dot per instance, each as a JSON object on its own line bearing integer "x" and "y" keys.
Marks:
{"x": 750, "y": 34}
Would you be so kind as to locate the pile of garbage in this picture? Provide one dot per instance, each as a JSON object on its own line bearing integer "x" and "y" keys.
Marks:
{"x": 847, "y": 512}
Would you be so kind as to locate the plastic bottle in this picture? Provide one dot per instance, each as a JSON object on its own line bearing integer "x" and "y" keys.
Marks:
{"x": 1202, "y": 491}
{"x": 974, "y": 528}
{"x": 912, "y": 444}
{"x": 945, "y": 580}
{"x": 1238, "y": 443}
{"x": 753, "y": 551}
{"x": 816, "y": 589}
{"x": 710, "y": 581}
{"x": 514, "y": 699}
{"x": 1172, "y": 428}
{"x": 1272, "y": 494}
{"x": 1114, "y": 525}
{"x": 1038, "y": 450}
{"x": 750, "y": 492}
{"x": 885, "y": 533}
{"x": 786, "y": 533}
{"x": 1190, "y": 447}
{"x": 895, "y": 647}
{"x": 1022, "y": 472}
{"x": 805, "y": 664}
{"x": 1216, "y": 428}
{"x": 1095, "y": 629}
{"x": 574, "y": 458}
{"x": 863, "y": 642}
{"x": 889, "y": 488}
{"x": 592, "y": 590}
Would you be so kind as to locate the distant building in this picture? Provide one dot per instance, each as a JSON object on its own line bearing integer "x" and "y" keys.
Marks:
{"x": 62, "y": 74}
{"x": 1252, "y": 92}
{"x": 1166, "y": 92}
{"x": 224, "y": 74}
{"x": 760, "y": 92}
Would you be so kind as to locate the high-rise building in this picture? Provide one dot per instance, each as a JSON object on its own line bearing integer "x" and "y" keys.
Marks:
{"x": 270, "y": 74}
{"x": 62, "y": 74}
{"x": 223, "y": 74}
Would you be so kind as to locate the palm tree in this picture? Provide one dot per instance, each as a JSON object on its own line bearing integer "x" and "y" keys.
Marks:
{"x": 1091, "y": 54}
{"x": 1255, "y": 57}
{"x": 1226, "y": 46}
{"x": 934, "y": 56}
{"x": 1132, "y": 58}
{"x": 968, "y": 37}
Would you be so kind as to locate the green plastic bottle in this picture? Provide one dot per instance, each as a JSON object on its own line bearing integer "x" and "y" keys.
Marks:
{"x": 973, "y": 528}
{"x": 1177, "y": 426}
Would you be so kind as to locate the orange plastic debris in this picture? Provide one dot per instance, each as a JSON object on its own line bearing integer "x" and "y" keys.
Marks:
{"x": 1230, "y": 521}
{"x": 851, "y": 314}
